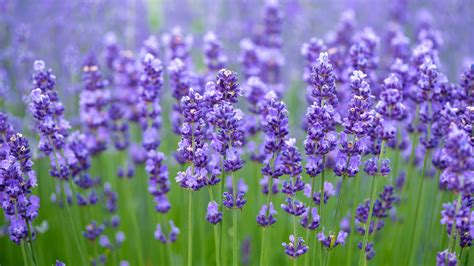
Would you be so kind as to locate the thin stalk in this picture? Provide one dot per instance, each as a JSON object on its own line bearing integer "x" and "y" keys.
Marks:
{"x": 23, "y": 253}
{"x": 321, "y": 207}
{"x": 453, "y": 229}
{"x": 362, "y": 257}
{"x": 269, "y": 197}
{"x": 340, "y": 202}
{"x": 419, "y": 199}
{"x": 431, "y": 220}
{"x": 216, "y": 234}
{"x": 30, "y": 244}
{"x": 313, "y": 188}
{"x": 190, "y": 229}
{"x": 71, "y": 221}
{"x": 353, "y": 214}
{"x": 235, "y": 248}
{"x": 294, "y": 233}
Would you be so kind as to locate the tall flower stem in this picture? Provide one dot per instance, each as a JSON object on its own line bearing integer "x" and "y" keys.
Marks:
{"x": 221, "y": 229}
{"x": 453, "y": 228}
{"x": 313, "y": 188}
{"x": 340, "y": 202}
{"x": 269, "y": 197}
{"x": 216, "y": 233}
{"x": 235, "y": 248}
{"x": 190, "y": 228}
{"x": 373, "y": 191}
{"x": 72, "y": 224}
{"x": 419, "y": 198}
{"x": 437, "y": 197}
{"x": 294, "y": 233}
{"x": 30, "y": 243}
{"x": 23, "y": 253}
{"x": 353, "y": 214}
{"x": 321, "y": 207}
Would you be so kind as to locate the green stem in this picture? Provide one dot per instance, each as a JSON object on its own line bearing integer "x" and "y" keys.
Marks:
{"x": 363, "y": 258}
{"x": 353, "y": 214}
{"x": 71, "y": 221}
{"x": 453, "y": 229}
{"x": 216, "y": 233}
{"x": 269, "y": 197}
{"x": 321, "y": 207}
{"x": 30, "y": 243}
{"x": 190, "y": 229}
{"x": 235, "y": 248}
{"x": 431, "y": 220}
{"x": 419, "y": 199}
{"x": 294, "y": 234}
{"x": 313, "y": 188}
{"x": 23, "y": 253}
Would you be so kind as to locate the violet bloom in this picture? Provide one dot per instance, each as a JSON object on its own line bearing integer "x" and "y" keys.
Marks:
{"x": 17, "y": 178}
{"x": 180, "y": 82}
{"x": 295, "y": 248}
{"x": 48, "y": 113}
{"x": 214, "y": 57}
{"x": 249, "y": 58}
{"x": 321, "y": 117}
{"x": 446, "y": 258}
{"x": 192, "y": 147}
{"x": 93, "y": 230}
{"x": 457, "y": 176}
{"x": 332, "y": 241}
{"x": 293, "y": 207}
{"x": 310, "y": 219}
{"x": 172, "y": 235}
{"x": 266, "y": 215}
{"x": 151, "y": 83}
{"x": 363, "y": 52}
{"x": 369, "y": 250}
{"x": 213, "y": 215}
{"x": 328, "y": 192}
{"x": 461, "y": 220}
{"x": 178, "y": 45}
{"x": 93, "y": 103}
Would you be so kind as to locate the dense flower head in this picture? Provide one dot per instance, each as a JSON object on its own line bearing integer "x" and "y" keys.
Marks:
{"x": 321, "y": 136}
{"x": 249, "y": 58}
{"x": 266, "y": 215}
{"x": 295, "y": 248}
{"x": 177, "y": 44}
{"x": 328, "y": 192}
{"x": 16, "y": 181}
{"x": 93, "y": 230}
{"x": 227, "y": 85}
{"x": 255, "y": 91}
{"x": 467, "y": 84}
{"x": 275, "y": 125}
{"x": 363, "y": 52}
{"x": 446, "y": 258}
{"x": 270, "y": 34}
{"x": 214, "y": 58}
{"x": 332, "y": 241}
{"x": 461, "y": 219}
{"x": 311, "y": 51}
{"x": 391, "y": 99}
{"x": 230, "y": 203}
{"x": 151, "y": 78}
{"x": 289, "y": 161}
{"x": 293, "y": 207}
{"x": 310, "y": 218}
{"x": 459, "y": 155}
{"x": 213, "y": 215}
{"x": 93, "y": 103}
{"x": 383, "y": 206}
{"x": 172, "y": 235}
{"x": 323, "y": 80}
{"x": 228, "y": 133}
{"x": 49, "y": 117}
{"x": 369, "y": 250}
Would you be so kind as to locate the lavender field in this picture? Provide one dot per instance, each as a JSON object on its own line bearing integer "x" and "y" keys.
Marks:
{"x": 236, "y": 132}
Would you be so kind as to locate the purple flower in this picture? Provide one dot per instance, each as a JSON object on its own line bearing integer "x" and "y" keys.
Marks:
{"x": 331, "y": 241}
{"x": 293, "y": 207}
{"x": 93, "y": 231}
{"x": 310, "y": 219}
{"x": 295, "y": 248}
{"x": 230, "y": 203}
{"x": 328, "y": 192}
{"x": 214, "y": 58}
{"x": 93, "y": 102}
{"x": 369, "y": 250}
{"x": 446, "y": 258}
{"x": 266, "y": 214}
{"x": 213, "y": 215}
